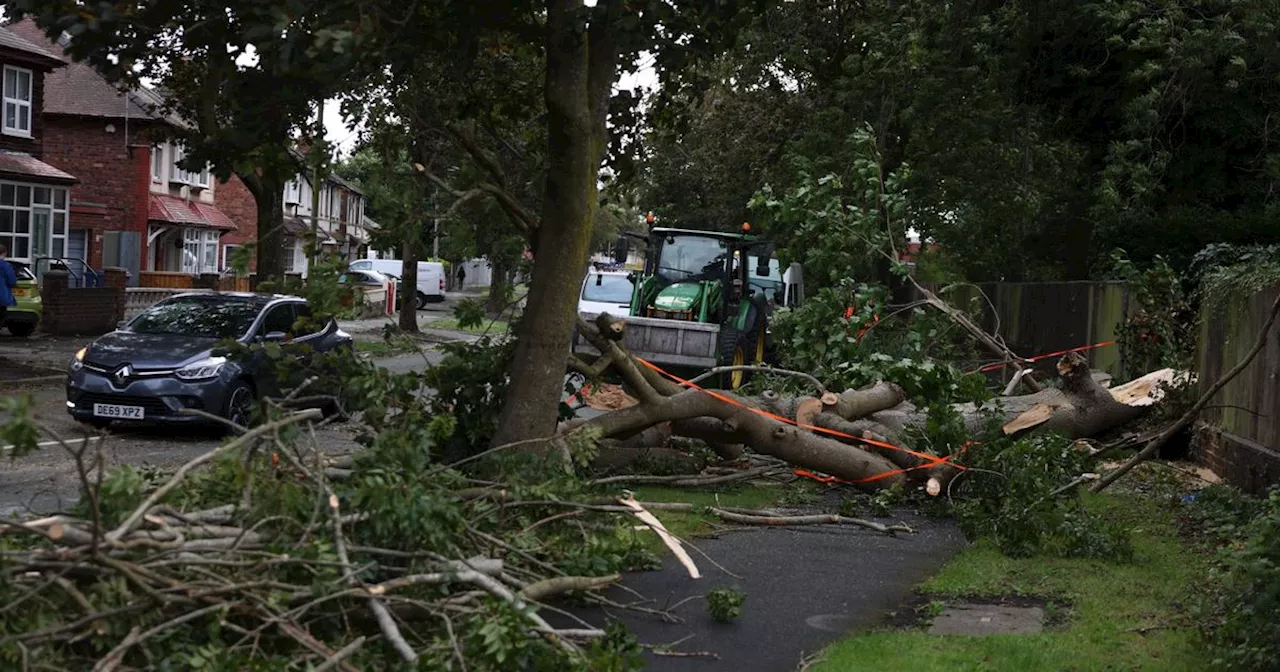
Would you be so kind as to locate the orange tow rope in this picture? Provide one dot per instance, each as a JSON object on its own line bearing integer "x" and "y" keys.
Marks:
{"x": 929, "y": 460}
{"x": 1047, "y": 355}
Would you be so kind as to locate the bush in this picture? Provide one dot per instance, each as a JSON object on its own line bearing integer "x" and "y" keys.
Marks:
{"x": 1007, "y": 496}
{"x": 1247, "y": 631}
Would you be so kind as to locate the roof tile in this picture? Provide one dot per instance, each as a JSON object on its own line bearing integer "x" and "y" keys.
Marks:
{"x": 25, "y": 165}
{"x": 79, "y": 89}
{"x": 12, "y": 40}
{"x": 175, "y": 210}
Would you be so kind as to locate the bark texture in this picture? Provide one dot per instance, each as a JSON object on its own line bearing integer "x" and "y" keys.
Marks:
{"x": 409, "y": 284}
{"x": 581, "y": 67}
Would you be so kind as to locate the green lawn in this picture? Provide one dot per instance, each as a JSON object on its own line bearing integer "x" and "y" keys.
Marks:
{"x": 381, "y": 348}
{"x": 1108, "y": 604}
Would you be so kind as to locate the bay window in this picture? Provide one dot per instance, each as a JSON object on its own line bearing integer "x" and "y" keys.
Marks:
{"x": 199, "y": 251}
{"x": 33, "y": 221}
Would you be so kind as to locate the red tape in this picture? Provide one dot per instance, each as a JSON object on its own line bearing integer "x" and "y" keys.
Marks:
{"x": 1032, "y": 360}
{"x": 929, "y": 460}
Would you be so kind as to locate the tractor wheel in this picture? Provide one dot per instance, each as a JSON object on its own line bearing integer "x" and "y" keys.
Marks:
{"x": 740, "y": 348}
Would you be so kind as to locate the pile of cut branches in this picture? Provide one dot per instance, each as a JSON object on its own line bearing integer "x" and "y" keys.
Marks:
{"x": 268, "y": 553}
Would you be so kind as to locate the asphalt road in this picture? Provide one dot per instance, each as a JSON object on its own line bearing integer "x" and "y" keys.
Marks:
{"x": 47, "y": 480}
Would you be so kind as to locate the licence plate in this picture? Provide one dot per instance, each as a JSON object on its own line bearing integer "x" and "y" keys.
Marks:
{"x": 116, "y": 411}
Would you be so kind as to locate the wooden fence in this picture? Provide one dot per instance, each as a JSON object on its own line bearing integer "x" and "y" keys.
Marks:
{"x": 1239, "y": 437}
{"x": 1041, "y": 317}
{"x": 165, "y": 279}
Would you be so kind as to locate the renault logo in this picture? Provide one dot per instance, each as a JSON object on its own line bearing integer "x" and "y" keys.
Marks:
{"x": 122, "y": 374}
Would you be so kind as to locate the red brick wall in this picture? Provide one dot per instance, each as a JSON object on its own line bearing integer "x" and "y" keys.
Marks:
{"x": 29, "y": 145}
{"x": 81, "y": 310}
{"x": 114, "y": 179}
{"x": 234, "y": 199}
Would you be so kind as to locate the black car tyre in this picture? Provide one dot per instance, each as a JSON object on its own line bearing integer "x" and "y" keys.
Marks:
{"x": 422, "y": 301}
{"x": 22, "y": 330}
{"x": 240, "y": 404}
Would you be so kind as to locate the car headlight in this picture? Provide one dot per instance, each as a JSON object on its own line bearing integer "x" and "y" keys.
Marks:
{"x": 205, "y": 368}
{"x": 77, "y": 363}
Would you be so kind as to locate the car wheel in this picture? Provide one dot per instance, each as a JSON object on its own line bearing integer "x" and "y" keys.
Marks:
{"x": 422, "y": 301}
{"x": 22, "y": 330}
{"x": 240, "y": 404}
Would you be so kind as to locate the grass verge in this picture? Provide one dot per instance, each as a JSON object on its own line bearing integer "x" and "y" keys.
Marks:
{"x": 381, "y": 348}
{"x": 1122, "y": 616}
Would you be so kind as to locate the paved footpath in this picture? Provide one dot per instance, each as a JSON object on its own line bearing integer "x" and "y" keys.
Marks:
{"x": 805, "y": 588}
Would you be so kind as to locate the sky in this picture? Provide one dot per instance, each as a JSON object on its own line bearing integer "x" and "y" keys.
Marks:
{"x": 339, "y": 134}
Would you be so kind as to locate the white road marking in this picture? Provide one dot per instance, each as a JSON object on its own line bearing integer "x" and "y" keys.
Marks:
{"x": 46, "y": 444}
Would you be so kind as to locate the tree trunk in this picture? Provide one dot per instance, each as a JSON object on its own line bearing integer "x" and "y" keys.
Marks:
{"x": 498, "y": 285}
{"x": 267, "y": 189}
{"x": 409, "y": 283}
{"x": 579, "y": 77}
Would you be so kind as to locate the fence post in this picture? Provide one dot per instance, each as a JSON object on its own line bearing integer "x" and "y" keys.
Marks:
{"x": 116, "y": 279}
{"x": 53, "y": 288}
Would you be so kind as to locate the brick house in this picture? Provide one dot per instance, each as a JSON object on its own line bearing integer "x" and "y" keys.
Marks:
{"x": 342, "y": 224}
{"x": 134, "y": 207}
{"x": 34, "y": 195}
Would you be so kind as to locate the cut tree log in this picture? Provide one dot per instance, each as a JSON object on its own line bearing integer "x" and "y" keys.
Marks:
{"x": 835, "y": 439}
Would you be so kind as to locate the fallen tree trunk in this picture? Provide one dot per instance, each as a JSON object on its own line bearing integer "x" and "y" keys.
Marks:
{"x": 856, "y": 436}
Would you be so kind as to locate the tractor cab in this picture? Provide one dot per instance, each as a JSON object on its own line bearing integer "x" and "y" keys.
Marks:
{"x": 705, "y": 276}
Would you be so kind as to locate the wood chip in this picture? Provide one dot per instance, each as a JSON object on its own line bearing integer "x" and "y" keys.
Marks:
{"x": 608, "y": 398}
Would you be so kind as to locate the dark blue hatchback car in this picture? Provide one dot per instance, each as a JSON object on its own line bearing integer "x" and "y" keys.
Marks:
{"x": 162, "y": 361}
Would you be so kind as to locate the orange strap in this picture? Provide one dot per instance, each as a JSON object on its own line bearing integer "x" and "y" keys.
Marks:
{"x": 1032, "y": 360}
{"x": 929, "y": 460}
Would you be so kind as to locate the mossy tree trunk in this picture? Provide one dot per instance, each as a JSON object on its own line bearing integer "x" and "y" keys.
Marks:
{"x": 581, "y": 66}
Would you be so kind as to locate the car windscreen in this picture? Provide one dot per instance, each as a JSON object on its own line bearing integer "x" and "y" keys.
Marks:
{"x": 612, "y": 288}
{"x": 197, "y": 316}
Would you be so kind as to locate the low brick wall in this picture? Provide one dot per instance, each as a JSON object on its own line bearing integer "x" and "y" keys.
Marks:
{"x": 82, "y": 310}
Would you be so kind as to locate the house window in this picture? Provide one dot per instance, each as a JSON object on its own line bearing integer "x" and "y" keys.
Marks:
{"x": 190, "y": 251}
{"x": 293, "y": 191}
{"x": 228, "y": 255}
{"x": 17, "y": 101}
{"x": 33, "y": 221}
{"x": 290, "y": 256}
{"x": 209, "y": 255}
{"x": 182, "y": 176}
{"x": 157, "y": 164}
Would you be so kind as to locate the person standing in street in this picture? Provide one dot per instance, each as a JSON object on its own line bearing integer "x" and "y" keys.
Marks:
{"x": 462, "y": 275}
{"x": 8, "y": 280}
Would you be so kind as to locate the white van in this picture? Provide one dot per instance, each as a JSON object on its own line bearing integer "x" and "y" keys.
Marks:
{"x": 430, "y": 276}
{"x": 606, "y": 292}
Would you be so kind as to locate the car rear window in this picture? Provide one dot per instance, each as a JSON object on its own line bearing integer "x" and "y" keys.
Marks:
{"x": 612, "y": 288}
{"x": 197, "y": 316}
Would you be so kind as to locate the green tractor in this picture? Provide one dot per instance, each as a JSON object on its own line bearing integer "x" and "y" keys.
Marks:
{"x": 705, "y": 299}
